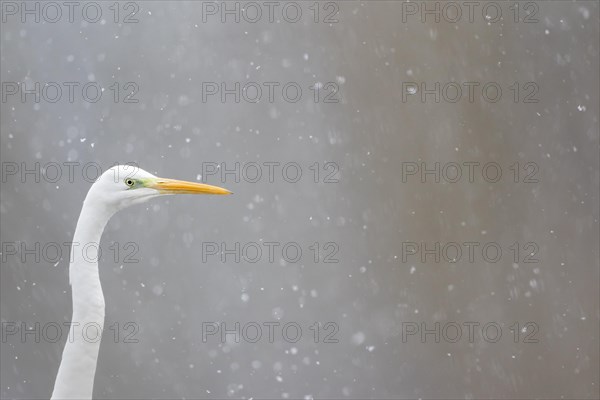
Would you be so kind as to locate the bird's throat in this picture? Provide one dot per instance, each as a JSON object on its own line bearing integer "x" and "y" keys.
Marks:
{"x": 75, "y": 378}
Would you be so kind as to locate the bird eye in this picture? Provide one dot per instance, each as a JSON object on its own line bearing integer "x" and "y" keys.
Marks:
{"x": 129, "y": 182}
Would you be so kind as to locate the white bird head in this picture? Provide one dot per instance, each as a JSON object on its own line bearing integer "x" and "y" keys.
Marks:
{"x": 117, "y": 188}
{"x": 125, "y": 185}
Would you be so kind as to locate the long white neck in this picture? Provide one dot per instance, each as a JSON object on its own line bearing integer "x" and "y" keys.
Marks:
{"x": 75, "y": 378}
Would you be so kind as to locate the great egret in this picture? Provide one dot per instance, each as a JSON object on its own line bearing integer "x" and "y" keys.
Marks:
{"x": 117, "y": 188}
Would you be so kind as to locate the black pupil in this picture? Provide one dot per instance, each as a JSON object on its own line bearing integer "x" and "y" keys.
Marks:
{"x": 129, "y": 182}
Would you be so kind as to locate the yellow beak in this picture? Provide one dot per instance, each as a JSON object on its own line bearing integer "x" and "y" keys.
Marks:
{"x": 173, "y": 186}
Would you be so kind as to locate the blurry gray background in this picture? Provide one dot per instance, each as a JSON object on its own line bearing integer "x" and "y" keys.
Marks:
{"x": 369, "y": 213}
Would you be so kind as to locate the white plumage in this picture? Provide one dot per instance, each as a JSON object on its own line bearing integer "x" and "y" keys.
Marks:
{"x": 118, "y": 188}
